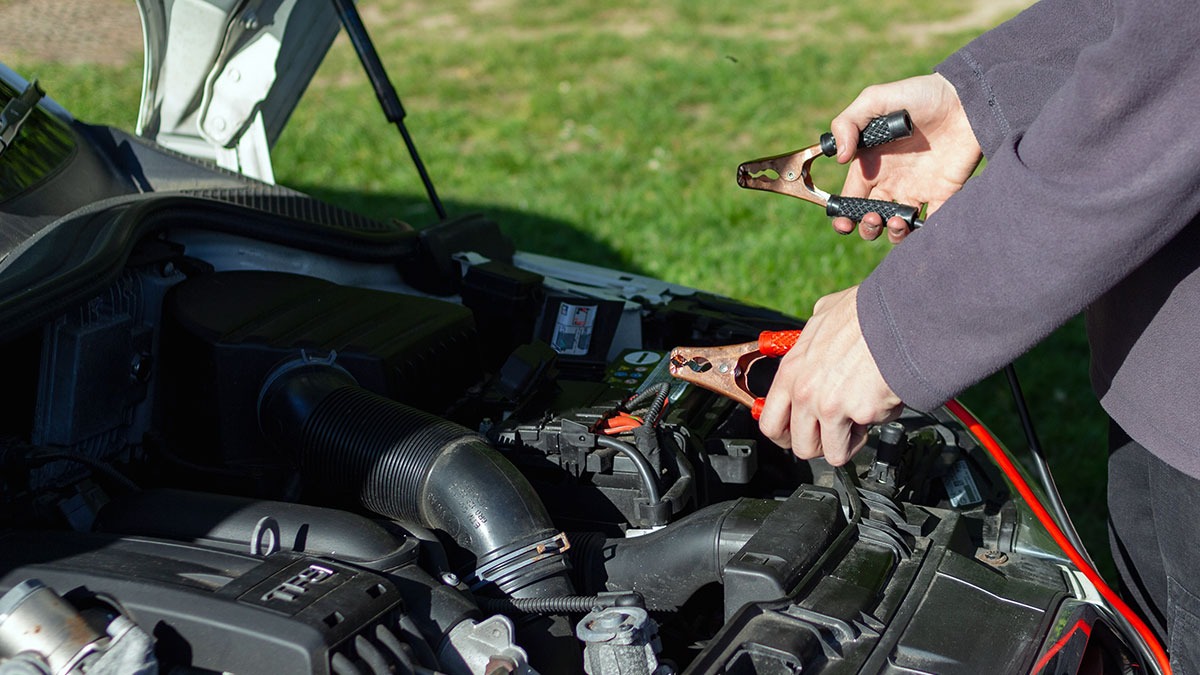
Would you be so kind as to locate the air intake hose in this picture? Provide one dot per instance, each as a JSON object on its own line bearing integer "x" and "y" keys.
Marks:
{"x": 355, "y": 447}
{"x": 700, "y": 545}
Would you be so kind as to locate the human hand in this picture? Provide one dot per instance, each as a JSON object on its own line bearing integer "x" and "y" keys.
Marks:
{"x": 828, "y": 389}
{"x": 927, "y": 167}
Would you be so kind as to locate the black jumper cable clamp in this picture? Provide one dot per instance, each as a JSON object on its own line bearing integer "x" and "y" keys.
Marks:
{"x": 789, "y": 173}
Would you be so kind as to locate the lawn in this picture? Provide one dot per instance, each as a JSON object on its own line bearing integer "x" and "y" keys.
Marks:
{"x": 609, "y": 133}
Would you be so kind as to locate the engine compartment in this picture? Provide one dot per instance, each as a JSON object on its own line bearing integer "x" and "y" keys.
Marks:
{"x": 276, "y": 460}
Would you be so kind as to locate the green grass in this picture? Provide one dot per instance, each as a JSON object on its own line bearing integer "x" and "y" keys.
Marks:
{"x": 609, "y": 133}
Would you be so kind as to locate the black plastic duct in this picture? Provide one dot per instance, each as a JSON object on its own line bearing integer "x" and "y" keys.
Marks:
{"x": 355, "y": 447}
{"x": 700, "y": 545}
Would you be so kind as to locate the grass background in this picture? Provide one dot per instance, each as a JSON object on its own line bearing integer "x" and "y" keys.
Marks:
{"x": 609, "y": 133}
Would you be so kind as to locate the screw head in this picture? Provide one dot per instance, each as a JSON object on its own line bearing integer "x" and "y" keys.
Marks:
{"x": 450, "y": 579}
{"x": 498, "y": 665}
{"x": 723, "y": 368}
{"x": 994, "y": 558}
{"x": 140, "y": 367}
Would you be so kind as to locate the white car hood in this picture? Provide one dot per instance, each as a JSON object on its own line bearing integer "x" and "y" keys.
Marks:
{"x": 221, "y": 77}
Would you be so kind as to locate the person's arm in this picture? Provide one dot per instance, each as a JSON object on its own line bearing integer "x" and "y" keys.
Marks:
{"x": 1106, "y": 174}
{"x": 1005, "y": 76}
{"x": 989, "y": 90}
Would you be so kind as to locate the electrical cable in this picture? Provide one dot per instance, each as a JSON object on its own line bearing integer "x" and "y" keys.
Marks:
{"x": 640, "y": 398}
{"x": 579, "y": 604}
{"x": 192, "y": 466}
{"x": 1041, "y": 466}
{"x": 94, "y": 464}
{"x": 1014, "y": 476}
{"x": 645, "y": 471}
{"x": 657, "y": 395}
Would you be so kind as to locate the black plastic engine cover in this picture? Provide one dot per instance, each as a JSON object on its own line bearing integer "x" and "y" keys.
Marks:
{"x": 225, "y": 333}
{"x": 227, "y": 612}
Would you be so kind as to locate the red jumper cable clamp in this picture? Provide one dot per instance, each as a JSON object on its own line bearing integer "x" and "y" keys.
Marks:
{"x": 724, "y": 369}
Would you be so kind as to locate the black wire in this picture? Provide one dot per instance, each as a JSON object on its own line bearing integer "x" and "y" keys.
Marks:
{"x": 649, "y": 393}
{"x": 657, "y": 395}
{"x": 656, "y": 408}
{"x": 1042, "y": 467}
{"x": 94, "y": 464}
{"x": 639, "y": 460}
{"x": 192, "y": 466}
{"x": 552, "y": 605}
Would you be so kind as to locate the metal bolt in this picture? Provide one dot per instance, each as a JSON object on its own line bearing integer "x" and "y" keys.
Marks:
{"x": 611, "y": 621}
{"x": 235, "y": 74}
{"x": 994, "y": 558}
{"x": 167, "y": 269}
{"x": 791, "y": 175}
{"x": 218, "y": 123}
{"x": 723, "y": 368}
{"x": 450, "y": 579}
{"x": 499, "y": 665}
{"x": 139, "y": 368}
{"x": 250, "y": 20}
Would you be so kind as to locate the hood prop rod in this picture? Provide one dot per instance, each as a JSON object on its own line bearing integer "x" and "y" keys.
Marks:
{"x": 384, "y": 91}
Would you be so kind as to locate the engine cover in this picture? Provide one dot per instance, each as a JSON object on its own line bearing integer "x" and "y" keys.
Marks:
{"x": 286, "y": 613}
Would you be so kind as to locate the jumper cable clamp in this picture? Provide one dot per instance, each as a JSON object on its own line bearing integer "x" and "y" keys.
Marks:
{"x": 790, "y": 173}
{"x": 724, "y": 369}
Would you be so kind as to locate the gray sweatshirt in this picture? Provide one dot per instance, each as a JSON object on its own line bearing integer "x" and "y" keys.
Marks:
{"x": 1089, "y": 114}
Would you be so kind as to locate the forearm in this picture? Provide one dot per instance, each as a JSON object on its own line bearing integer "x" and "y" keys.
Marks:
{"x": 1106, "y": 174}
{"x": 1006, "y": 75}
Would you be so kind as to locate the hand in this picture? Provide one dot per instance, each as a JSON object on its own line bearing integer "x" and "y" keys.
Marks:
{"x": 927, "y": 167}
{"x": 828, "y": 389}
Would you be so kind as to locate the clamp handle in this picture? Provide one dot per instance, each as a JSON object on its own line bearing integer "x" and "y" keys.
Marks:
{"x": 855, "y": 208}
{"x": 882, "y": 129}
{"x": 773, "y": 343}
{"x": 777, "y": 342}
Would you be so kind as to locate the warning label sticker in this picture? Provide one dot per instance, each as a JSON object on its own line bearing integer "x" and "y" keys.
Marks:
{"x": 573, "y": 329}
{"x": 960, "y": 485}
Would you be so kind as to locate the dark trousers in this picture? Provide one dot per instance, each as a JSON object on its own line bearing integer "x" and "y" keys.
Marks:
{"x": 1154, "y": 531}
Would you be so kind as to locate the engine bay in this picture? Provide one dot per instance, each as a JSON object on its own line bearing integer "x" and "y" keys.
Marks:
{"x": 273, "y": 459}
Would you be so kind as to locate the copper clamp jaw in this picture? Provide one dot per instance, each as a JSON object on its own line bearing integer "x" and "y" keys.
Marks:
{"x": 787, "y": 174}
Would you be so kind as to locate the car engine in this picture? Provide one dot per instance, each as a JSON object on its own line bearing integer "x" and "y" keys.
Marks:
{"x": 249, "y": 432}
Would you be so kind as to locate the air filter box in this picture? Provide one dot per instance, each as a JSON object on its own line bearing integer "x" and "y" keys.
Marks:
{"x": 225, "y": 332}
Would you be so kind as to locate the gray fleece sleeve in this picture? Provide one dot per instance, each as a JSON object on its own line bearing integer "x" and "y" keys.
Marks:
{"x": 1106, "y": 173}
{"x": 1004, "y": 76}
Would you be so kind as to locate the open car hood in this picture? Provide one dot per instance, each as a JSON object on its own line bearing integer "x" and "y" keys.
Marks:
{"x": 221, "y": 77}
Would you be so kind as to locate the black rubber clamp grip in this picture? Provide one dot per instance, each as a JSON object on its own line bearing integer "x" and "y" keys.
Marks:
{"x": 855, "y": 208}
{"x": 883, "y": 129}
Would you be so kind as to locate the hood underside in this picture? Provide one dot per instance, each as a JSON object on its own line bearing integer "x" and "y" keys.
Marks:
{"x": 221, "y": 77}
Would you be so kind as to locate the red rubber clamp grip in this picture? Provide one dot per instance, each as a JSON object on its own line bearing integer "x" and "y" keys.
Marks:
{"x": 777, "y": 343}
{"x": 756, "y": 409}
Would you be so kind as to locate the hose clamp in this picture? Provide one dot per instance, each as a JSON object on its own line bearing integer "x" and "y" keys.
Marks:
{"x": 512, "y": 563}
